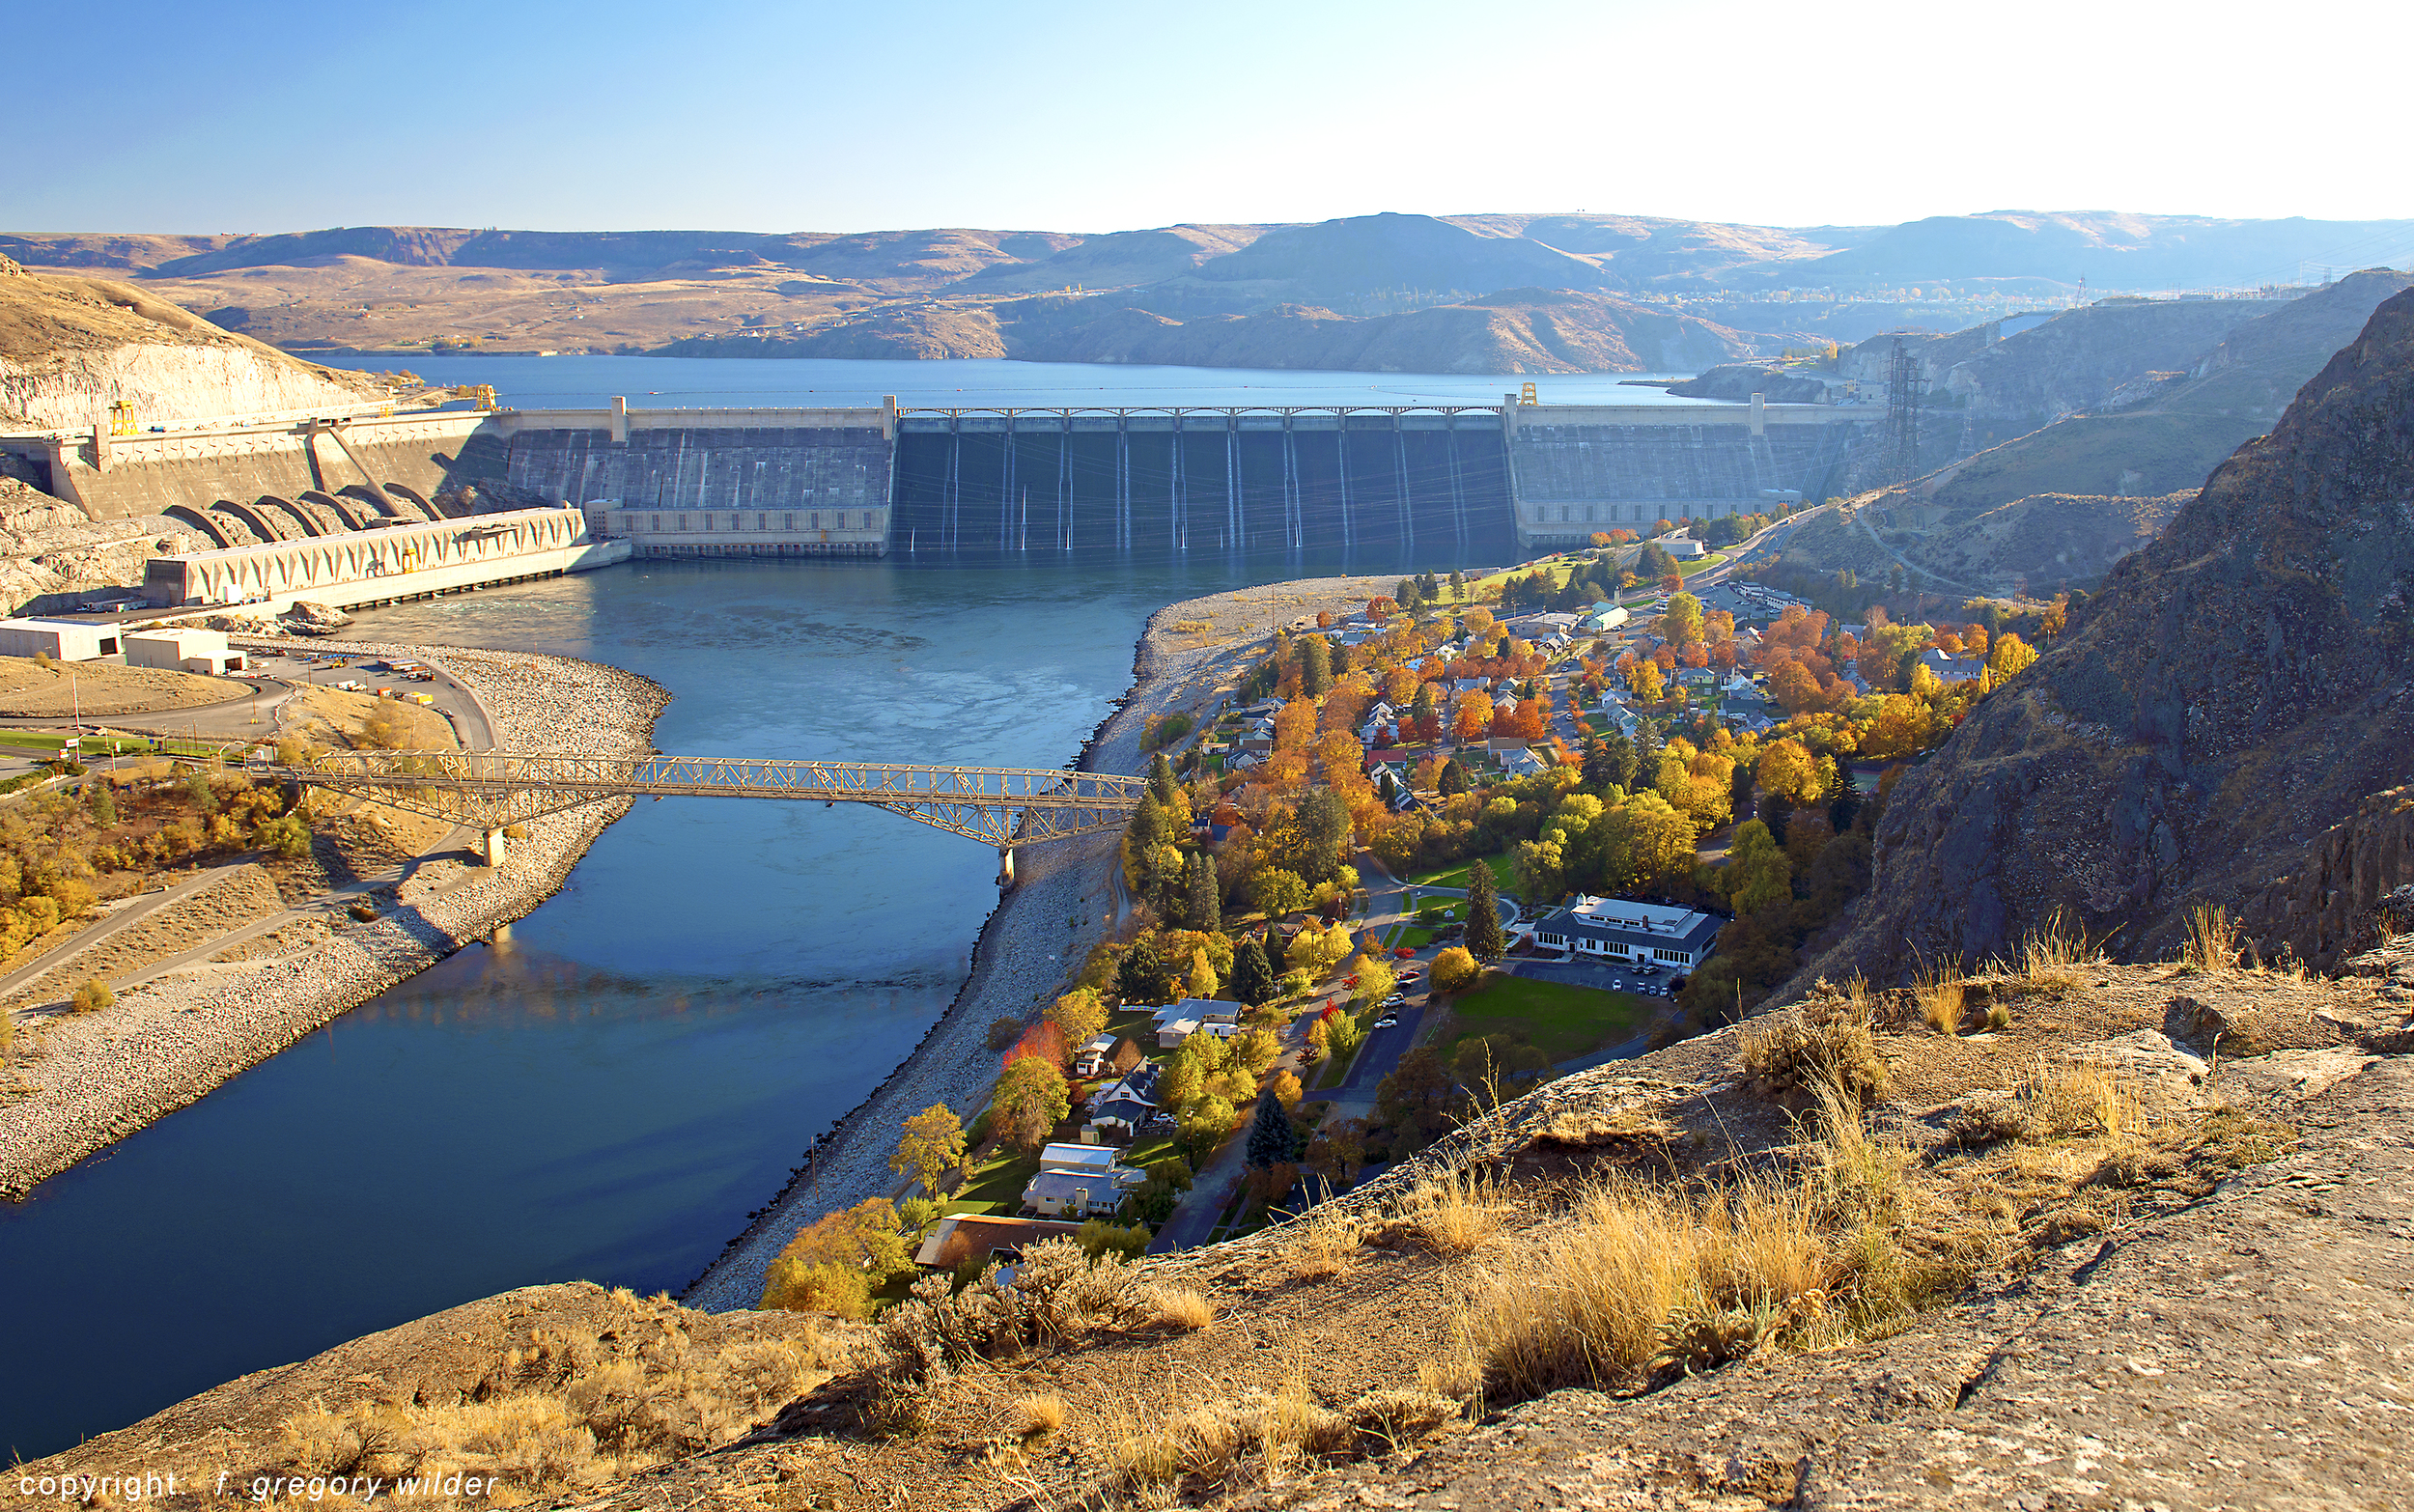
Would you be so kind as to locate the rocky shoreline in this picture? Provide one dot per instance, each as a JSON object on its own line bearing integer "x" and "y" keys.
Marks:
{"x": 1023, "y": 956}
{"x": 100, "y": 1077}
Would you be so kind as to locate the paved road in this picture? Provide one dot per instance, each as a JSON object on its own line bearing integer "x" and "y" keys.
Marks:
{"x": 117, "y": 923}
{"x": 323, "y": 904}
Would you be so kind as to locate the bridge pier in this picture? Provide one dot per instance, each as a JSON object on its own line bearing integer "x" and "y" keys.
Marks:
{"x": 1005, "y": 868}
{"x": 493, "y": 848}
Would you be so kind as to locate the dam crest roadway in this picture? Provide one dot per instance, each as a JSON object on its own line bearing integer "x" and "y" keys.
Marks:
{"x": 489, "y": 791}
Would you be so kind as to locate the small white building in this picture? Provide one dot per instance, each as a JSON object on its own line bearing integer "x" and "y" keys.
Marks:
{"x": 184, "y": 650}
{"x": 1094, "y": 1056}
{"x": 61, "y": 640}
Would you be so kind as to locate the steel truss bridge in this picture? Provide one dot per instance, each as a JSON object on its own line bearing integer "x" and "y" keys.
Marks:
{"x": 1004, "y": 806}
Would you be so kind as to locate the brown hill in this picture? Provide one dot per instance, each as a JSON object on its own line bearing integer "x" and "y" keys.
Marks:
{"x": 2226, "y": 723}
{"x": 71, "y": 347}
{"x": 1517, "y": 330}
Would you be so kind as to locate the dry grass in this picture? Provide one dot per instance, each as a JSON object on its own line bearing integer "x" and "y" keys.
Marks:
{"x": 2213, "y": 939}
{"x": 1327, "y": 1244}
{"x": 1038, "y": 1417}
{"x": 1942, "y": 997}
{"x": 1649, "y": 1273}
{"x": 2061, "y": 1098}
{"x": 2056, "y": 959}
{"x": 1826, "y": 1038}
{"x": 1181, "y": 1307}
{"x": 575, "y": 1410}
{"x": 1263, "y": 1440}
{"x": 1457, "y": 1212}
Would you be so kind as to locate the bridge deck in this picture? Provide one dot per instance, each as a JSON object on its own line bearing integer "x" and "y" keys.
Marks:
{"x": 1004, "y": 806}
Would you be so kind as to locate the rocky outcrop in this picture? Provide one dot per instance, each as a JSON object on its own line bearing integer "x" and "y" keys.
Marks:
{"x": 1740, "y": 380}
{"x": 70, "y": 348}
{"x": 52, "y": 555}
{"x": 2210, "y": 727}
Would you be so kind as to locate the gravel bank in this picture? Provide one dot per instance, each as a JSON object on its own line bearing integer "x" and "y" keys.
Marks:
{"x": 1026, "y": 950}
{"x": 95, "y": 1078}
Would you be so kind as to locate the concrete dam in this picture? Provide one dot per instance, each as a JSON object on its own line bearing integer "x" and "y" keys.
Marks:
{"x": 1406, "y": 483}
{"x": 1463, "y": 482}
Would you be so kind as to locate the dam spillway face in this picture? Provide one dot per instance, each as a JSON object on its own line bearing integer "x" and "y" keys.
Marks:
{"x": 1436, "y": 484}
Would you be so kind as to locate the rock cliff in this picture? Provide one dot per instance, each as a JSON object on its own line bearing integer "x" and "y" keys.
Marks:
{"x": 2227, "y": 723}
{"x": 71, "y": 347}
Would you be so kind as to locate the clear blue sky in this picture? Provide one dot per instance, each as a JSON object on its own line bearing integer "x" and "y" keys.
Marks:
{"x": 756, "y": 114}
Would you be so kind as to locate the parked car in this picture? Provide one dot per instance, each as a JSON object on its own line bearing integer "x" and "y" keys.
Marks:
{"x": 1386, "y": 1023}
{"x": 1411, "y": 975}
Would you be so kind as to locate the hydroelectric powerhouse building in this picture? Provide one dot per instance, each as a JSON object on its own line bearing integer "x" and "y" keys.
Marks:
{"x": 1413, "y": 482}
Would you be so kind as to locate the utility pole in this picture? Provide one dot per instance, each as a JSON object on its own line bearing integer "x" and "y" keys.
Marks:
{"x": 1905, "y": 385}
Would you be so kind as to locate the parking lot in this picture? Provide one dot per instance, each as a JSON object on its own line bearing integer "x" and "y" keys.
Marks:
{"x": 1607, "y": 977}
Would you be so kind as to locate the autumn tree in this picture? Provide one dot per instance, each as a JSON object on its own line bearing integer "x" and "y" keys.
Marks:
{"x": 1645, "y": 681}
{"x": 835, "y": 1266}
{"x": 930, "y": 1146}
{"x": 1455, "y": 968}
{"x": 1681, "y": 625}
{"x": 1031, "y": 1098}
{"x": 2010, "y": 657}
{"x": 1278, "y": 891}
{"x": 1202, "y": 981}
{"x": 1758, "y": 873}
{"x": 1788, "y": 769}
{"x": 1079, "y": 1014}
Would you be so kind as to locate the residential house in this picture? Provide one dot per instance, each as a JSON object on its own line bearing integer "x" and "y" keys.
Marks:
{"x": 978, "y": 1236}
{"x": 1520, "y": 763}
{"x": 1121, "y": 1107}
{"x": 1080, "y": 1180}
{"x": 1952, "y": 669}
{"x": 1619, "y": 928}
{"x": 1095, "y": 1057}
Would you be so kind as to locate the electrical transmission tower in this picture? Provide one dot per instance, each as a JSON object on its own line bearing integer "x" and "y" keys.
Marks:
{"x": 1904, "y": 385}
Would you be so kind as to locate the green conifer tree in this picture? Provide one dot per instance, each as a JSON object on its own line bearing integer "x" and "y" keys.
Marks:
{"x": 1485, "y": 940}
{"x": 1271, "y": 1141}
{"x": 1253, "y": 979}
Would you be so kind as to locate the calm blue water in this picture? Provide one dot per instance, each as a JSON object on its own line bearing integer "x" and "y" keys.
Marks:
{"x": 705, "y": 383}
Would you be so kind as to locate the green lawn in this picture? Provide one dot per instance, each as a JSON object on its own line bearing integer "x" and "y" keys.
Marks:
{"x": 1504, "y": 874}
{"x": 1565, "y": 1021}
{"x": 1699, "y": 564}
{"x": 96, "y": 746}
{"x": 997, "y": 1184}
{"x": 1413, "y": 936}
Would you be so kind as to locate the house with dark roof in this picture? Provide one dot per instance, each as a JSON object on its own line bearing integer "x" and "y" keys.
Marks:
{"x": 1619, "y": 928}
{"x": 977, "y": 1235}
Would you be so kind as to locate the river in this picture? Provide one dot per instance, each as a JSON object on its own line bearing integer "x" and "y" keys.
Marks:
{"x": 608, "y": 1092}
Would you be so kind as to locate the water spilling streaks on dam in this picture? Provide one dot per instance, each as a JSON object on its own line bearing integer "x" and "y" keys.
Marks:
{"x": 1203, "y": 480}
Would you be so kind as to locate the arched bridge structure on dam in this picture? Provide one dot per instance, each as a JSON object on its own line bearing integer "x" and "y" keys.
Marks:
{"x": 489, "y": 791}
